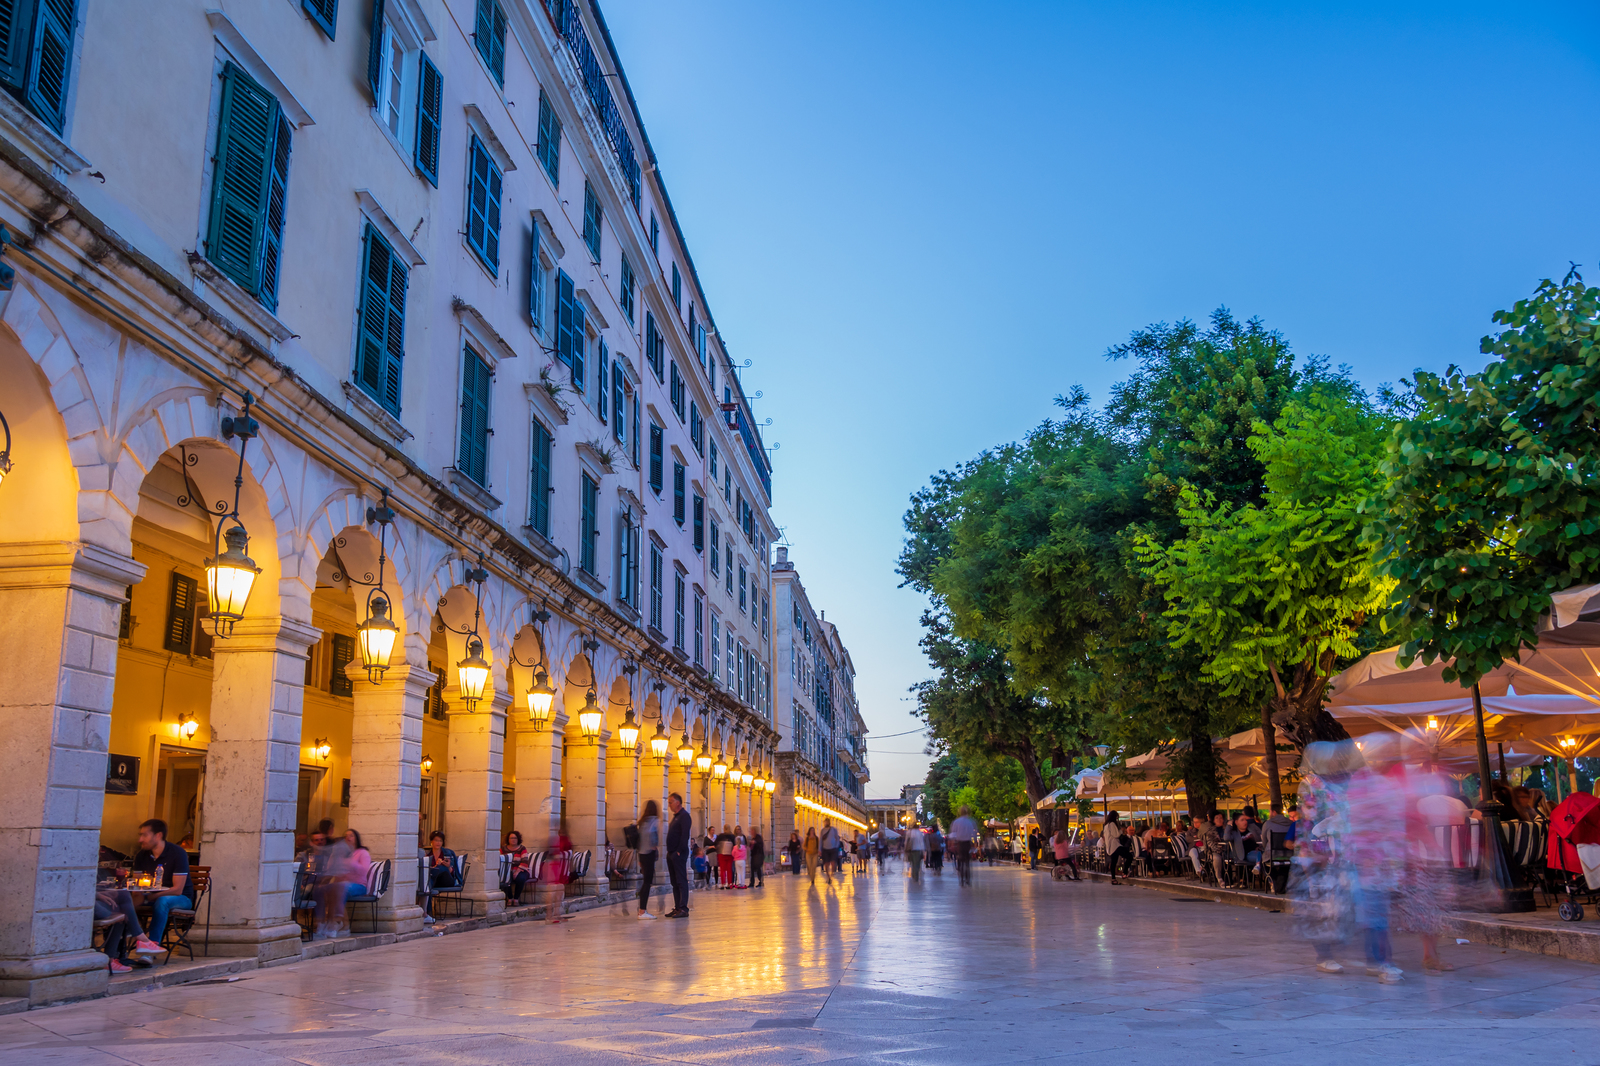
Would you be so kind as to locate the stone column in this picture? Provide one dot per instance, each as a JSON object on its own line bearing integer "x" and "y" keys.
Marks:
{"x": 586, "y": 805}
{"x": 472, "y": 796}
{"x": 60, "y": 604}
{"x": 386, "y": 781}
{"x": 622, "y": 799}
{"x": 538, "y": 785}
{"x": 252, "y": 783}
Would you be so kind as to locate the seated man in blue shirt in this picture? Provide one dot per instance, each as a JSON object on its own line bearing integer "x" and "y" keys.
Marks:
{"x": 172, "y": 892}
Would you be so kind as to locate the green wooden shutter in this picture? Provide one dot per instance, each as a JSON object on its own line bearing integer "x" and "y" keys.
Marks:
{"x": 383, "y": 320}
{"x": 579, "y": 338}
{"x": 277, "y": 209}
{"x": 655, "y": 457}
{"x": 699, "y": 522}
{"x": 677, "y": 493}
{"x": 588, "y": 523}
{"x": 16, "y": 36}
{"x": 483, "y": 206}
{"x": 375, "y": 53}
{"x": 619, "y": 421}
{"x": 325, "y": 13}
{"x": 600, "y": 391}
{"x": 563, "y": 317}
{"x": 180, "y": 614}
{"x": 344, "y": 650}
{"x": 246, "y": 134}
{"x": 430, "y": 108}
{"x": 489, "y": 34}
{"x": 539, "y": 492}
{"x": 474, "y": 453}
{"x": 51, "y": 62}
{"x": 549, "y": 140}
{"x": 535, "y": 282}
{"x": 635, "y": 425}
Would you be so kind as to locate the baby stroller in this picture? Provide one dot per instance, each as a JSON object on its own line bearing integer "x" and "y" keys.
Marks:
{"x": 1575, "y": 823}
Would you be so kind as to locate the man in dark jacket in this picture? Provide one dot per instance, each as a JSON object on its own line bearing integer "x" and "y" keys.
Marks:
{"x": 678, "y": 856}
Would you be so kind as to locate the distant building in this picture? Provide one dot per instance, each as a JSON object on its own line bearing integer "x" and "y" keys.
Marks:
{"x": 897, "y": 813}
{"x": 821, "y": 760}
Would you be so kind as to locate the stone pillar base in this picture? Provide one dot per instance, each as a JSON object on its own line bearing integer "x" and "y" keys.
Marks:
{"x": 54, "y": 978}
{"x": 267, "y": 943}
{"x": 480, "y": 903}
{"x": 396, "y": 920}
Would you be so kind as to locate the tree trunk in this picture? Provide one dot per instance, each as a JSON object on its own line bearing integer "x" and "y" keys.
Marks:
{"x": 1269, "y": 737}
{"x": 1296, "y": 707}
{"x": 1199, "y": 779}
{"x": 1034, "y": 780}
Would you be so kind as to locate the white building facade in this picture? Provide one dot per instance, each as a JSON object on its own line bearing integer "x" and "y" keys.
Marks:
{"x": 421, "y": 254}
{"x": 822, "y": 760}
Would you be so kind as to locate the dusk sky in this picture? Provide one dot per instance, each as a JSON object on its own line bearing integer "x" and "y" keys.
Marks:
{"x": 922, "y": 222}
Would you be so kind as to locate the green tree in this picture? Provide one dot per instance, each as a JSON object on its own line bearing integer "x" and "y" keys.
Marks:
{"x": 1282, "y": 589}
{"x": 944, "y": 777}
{"x": 1491, "y": 502}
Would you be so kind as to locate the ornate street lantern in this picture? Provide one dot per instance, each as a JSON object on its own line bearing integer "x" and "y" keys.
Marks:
{"x": 231, "y": 573}
{"x": 376, "y": 635}
{"x": 628, "y": 732}
{"x": 589, "y": 717}
{"x": 660, "y": 743}
{"x": 685, "y": 751}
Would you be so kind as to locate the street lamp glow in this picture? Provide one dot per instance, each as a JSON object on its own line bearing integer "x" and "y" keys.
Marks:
{"x": 685, "y": 751}
{"x": 540, "y": 697}
{"x": 589, "y": 717}
{"x": 229, "y": 579}
{"x": 628, "y": 732}
{"x": 376, "y": 637}
{"x": 472, "y": 673}
{"x": 660, "y": 743}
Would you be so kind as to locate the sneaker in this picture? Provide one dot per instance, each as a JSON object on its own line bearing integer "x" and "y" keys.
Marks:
{"x": 118, "y": 966}
{"x": 1330, "y": 966}
{"x": 427, "y": 919}
{"x": 647, "y": 915}
{"x": 1388, "y": 973}
{"x": 145, "y": 946}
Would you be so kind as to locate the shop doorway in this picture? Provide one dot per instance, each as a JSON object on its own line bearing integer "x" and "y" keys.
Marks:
{"x": 180, "y": 796}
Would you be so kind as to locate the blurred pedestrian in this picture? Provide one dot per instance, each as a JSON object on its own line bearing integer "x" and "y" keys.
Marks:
{"x": 813, "y": 849}
{"x": 915, "y": 850}
{"x": 758, "y": 859}
{"x": 796, "y": 852}
{"x": 963, "y": 831}
{"x": 649, "y": 851}
{"x": 1116, "y": 842}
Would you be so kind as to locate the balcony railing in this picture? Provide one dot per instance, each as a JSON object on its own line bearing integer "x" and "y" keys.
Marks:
{"x": 569, "y": 20}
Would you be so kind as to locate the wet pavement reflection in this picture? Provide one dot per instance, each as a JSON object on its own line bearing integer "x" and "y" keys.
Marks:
{"x": 872, "y": 969}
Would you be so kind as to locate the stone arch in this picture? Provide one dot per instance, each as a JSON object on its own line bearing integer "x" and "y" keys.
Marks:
{"x": 43, "y": 472}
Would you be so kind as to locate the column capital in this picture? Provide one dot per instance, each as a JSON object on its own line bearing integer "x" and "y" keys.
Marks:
{"x": 414, "y": 679}
{"x": 53, "y": 563}
{"x": 497, "y": 702}
{"x": 556, "y": 725}
{"x": 274, "y": 633}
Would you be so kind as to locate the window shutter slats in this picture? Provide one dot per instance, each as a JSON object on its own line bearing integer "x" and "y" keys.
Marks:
{"x": 655, "y": 457}
{"x": 563, "y": 317}
{"x": 474, "y": 449}
{"x": 539, "y": 502}
{"x": 619, "y": 421}
{"x": 16, "y": 35}
{"x": 579, "y": 338}
{"x": 483, "y": 206}
{"x": 51, "y": 61}
{"x": 344, "y": 650}
{"x": 535, "y": 282}
{"x": 245, "y": 136}
{"x": 601, "y": 392}
{"x": 430, "y": 109}
{"x": 276, "y": 209}
{"x": 180, "y": 614}
{"x": 383, "y": 323}
{"x": 375, "y": 53}
{"x": 325, "y": 13}
{"x": 549, "y": 140}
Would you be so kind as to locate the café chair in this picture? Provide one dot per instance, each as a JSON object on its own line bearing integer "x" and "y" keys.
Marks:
{"x": 377, "y": 885}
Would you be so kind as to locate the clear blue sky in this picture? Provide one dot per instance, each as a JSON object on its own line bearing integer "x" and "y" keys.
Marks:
{"x": 924, "y": 221}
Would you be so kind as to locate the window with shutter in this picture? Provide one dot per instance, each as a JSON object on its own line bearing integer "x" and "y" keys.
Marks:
{"x": 564, "y": 302}
{"x": 655, "y": 587}
{"x": 655, "y": 234}
{"x": 381, "y": 348}
{"x": 696, "y": 428}
{"x": 715, "y": 547}
{"x": 716, "y": 645}
{"x": 540, "y": 484}
{"x": 677, "y": 289}
{"x": 601, "y": 375}
{"x": 713, "y": 463}
{"x": 125, "y": 624}
{"x": 656, "y": 458}
{"x": 536, "y": 283}
{"x": 675, "y": 390}
{"x": 473, "y": 460}
{"x": 430, "y": 112}
{"x": 483, "y": 206}
{"x": 654, "y": 347}
{"x": 489, "y": 34}
{"x": 249, "y": 186}
{"x": 727, "y": 568}
{"x": 49, "y": 58}
{"x": 589, "y": 528}
{"x": 625, "y": 290}
{"x": 325, "y": 13}
{"x": 181, "y": 614}
{"x": 699, "y": 522}
{"x": 635, "y": 423}
{"x": 741, "y": 588}
{"x": 580, "y": 338}
{"x": 677, "y": 609}
{"x": 591, "y": 220}
{"x": 677, "y": 493}
{"x": 376, "y": 52}
{"x": 344, "y": 650}
{"x": 699, "y": 630}
{"x": 619, "y": 422}
{"x": 549, "y": 147}
{"x": 625, "y": 563}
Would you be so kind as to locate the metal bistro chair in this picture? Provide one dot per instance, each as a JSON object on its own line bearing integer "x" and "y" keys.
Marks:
{"x": 577, "y": 867}
{"x": 451, "y": 892}
{"x": 1276, "y": 861}
{"x": 1162, "y": 856}
{"x": 302, "y": 903}
{"x": 180, "y": 922}
{"x": 377, "y": 885}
